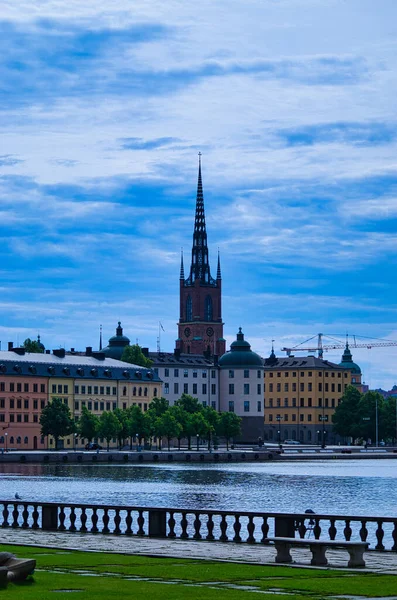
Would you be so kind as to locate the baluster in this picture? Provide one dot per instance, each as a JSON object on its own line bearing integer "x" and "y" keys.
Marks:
{"x": 25, "y": 515}
{"x": 62, "y": 517}
{"x": 171, "y": 525}
{"x": 394, "y": 536}
{"x": 184, "y": 524}
{"x": 105, "y": 521}
{"x": 15, "y": 515}
{"x": 72, "y": 519}
{"x": 117, "y": 521}
{"x": 251, "y": 530}
{"x": 265, "y": 530}
{"x": 347, "y": 532}
{"x": 317, "y": 529}
{"x": 5, "y": 517}
{"x": 302, "y": 529}
{"x": 363, "y": 531}
{"x": 197, "y": 527}
{"x": 237, "y": 529}
{"x": 83, "y": 520}
{"x": 379, "y": 536}
{"x": 223, "y": 527}
{"x": 332, "y": 530}
{"x": 210, "y": 528}
{"x": 141, "y": 522}
{"x": 94, "y": 521}
{"x": 128, "y": 522}
{"x": 35, "y": 516}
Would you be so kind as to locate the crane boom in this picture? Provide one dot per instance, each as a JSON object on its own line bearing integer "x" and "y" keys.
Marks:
{"x": 320, "y": 348}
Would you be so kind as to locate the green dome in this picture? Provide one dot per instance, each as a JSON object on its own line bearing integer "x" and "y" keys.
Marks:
{"x": 116, "y": 344}
{"x": 240, "y": 355}
{"x": 347, "y": 361}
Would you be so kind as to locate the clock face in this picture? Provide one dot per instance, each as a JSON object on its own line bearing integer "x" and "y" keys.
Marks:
{"x": 210, "y": 331}
{"x": 187, "y": 331}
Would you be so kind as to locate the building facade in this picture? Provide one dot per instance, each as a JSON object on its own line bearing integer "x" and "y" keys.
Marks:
{"x": 300, "y": 397}
{"x": 28, "y": 381}
{"x": 200, "y": 326}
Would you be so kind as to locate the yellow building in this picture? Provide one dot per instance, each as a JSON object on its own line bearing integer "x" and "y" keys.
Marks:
{"x": 301, "y": 394}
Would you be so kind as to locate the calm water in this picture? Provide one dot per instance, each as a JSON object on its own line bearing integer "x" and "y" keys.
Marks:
{"x": 355, "y": 487}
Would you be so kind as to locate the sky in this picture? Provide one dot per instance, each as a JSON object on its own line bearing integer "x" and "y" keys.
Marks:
{"x": 103, "y": 110}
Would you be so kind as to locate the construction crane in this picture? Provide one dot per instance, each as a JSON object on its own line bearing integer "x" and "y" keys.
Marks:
{"x": 321, "y": 348}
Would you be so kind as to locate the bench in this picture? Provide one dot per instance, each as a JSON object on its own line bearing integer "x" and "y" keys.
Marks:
{"x": 318, "y": 549}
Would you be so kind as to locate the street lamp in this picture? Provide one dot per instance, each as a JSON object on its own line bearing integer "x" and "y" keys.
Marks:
{"x": 76, "y": 435}
{"x": 323, "y": 418}
{"x": 137, "y": 441}
{"x": 6, "y": 435}
{"x": 318, "y": 437}
{"x": 197, "y": 439}
{"x": 278, "y": 419}
{"x": 376, "y": 422}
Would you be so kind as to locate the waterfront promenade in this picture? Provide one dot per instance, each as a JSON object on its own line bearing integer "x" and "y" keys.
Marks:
{"x": 379, "y": 562}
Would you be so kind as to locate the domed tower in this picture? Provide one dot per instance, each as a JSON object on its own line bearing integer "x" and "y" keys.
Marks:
{"x": 347, "y": 363}
{"x": 200, "y": 326}
{"x": 116, "y": 345}
{"x": 241, "y": 387}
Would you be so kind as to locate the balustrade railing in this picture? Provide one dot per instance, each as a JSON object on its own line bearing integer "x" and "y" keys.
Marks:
{"x": 210, "y": 525}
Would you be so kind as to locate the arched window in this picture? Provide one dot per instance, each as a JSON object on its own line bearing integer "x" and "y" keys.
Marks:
{"x": 134, "y": 391}
{"x": 309, "y": 436}
{"x": 140, "y": 392}
{"x": 25, "y": 440}
{"x": 2, "y": 439}
{"x": 189, "y": 309}
{"x": 12, "y": 439}
{"x": 124, "y": 391}
{"x": 19, "y": 439}
{"x": 208, "y": 309}
{"x": 155, "y": 392}
{"x": 145, "y": 391}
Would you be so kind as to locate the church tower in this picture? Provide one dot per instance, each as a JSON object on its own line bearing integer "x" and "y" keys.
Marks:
{"x": 200, "y": 327}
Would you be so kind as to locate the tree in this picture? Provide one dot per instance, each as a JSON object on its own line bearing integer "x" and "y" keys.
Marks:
{"x": 123, "y": 431}
{"x": 56, "y": 420}
{"x": 346, "y": 418}
{"x": 33, "y": 346}
{"x": 139, "y": 424}
{"x": 182, "y": 418}
{"x": 212, "y": 419}
{"x": 167, "y": 426}
{"x": 134, "y": 355}
{"x": 367, "y": 416}
{"x": 88, "y": 425}
{"x": 197, "y": 426}
{"x": 189, "y": 404}
{"x": 158, "y": 406}
{"x": 229, "y": 426}
{"x": 108, "y": 426}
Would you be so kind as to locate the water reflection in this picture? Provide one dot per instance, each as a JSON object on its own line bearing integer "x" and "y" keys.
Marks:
{"x": 348, "y": 486}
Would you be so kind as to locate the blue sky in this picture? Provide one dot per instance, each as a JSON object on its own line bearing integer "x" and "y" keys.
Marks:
{"x": 103, "y": 109}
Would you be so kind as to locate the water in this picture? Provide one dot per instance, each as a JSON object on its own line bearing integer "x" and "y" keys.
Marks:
{"x": 354, "y": 487}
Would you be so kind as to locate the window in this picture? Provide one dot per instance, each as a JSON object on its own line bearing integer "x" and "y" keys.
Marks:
{"x": 42, "y": 403}
{"x": 294, "y": 387}
{"x": 246, "y": 373}
{"x": 259, "y": 406}
{"x": 270, "y": 419}
{"x": 166, "y": 372}
{"x": 213, "y": 388}
{"x": 35, "y": 404}
{"x": 176, "y": 388}
{"x": 89, "y": 405}
{"x": 194, "y": 388}
{"x": 185, "y": 373}
{"x": 204, "y": 388}
{"x": 213, "y": 374}
{"x": 124, "y": 391}
{"x": 35, "y": 388}
{"x": 285, "y": 401}
{"x": 204, "y": 374}
{"x": 246, "y": 389}
{"x": 270, "y": 402}
{"x": 114, "y": 405}
{"x": 213, "y": 404}
{"x": 302, "y": 387}
{"x": 25, "y": 387}
{"x": 19, "y": 404}
{"x": 310, "y": 373}
{"x": 19, "y": 387}
{"x": 285, "y": 417}
{"x": 279, "y": 387}
{"x": 278, "y": 401}
{"x": 12, "y": 387}
{"x": 107, "y": 390}
{"x": 101, "y": 406}
{"x": 259, "y": 388}
{"x": 326, "y": 374}
{"x": 65, "y": 389}
{"x": 320, "y": 402}
{"x": 26, "y": 404}
{"x": 294, "y": 374}
{"x": 59, "y": 389}
{"x": 35, "y": 418}
{"x": 270, "y": 387}
{"x": 95, "y": 405}
{"x": 185, "y": 388}
{"x": 231, "y": 374}
{"x": 309, "y": 417}
{"x": 42, "y": 388}
{"x": 107, "y": 405}
{"x": 101, "y": 390}
{"x": 301, "y": 417}
{"x": 302, "y": 373}
{"x": 114, "y": 391}
{"x": 326, "y": 387}
{"x": 278, "y": 374}
{"x": 294, "y": 417}
{"x": 166, "y": 388}
{"x": 333, "y": 385}
{"x": 96, "y": 390}
{"x": 54, "y": 389}
{"x": 2, "y": 386}
{"x": 285, "y": 387}
{"x": 189, "y": 309}
{"x": 320, "y": 387}
{"x": 19, "y": 418}
{"x": 12, "y": 418}
{"x": 231, "y": 405}
{"x": 246, "y": 405}
{"x": 195, "y": 374}
{"x": 83, "y": 389}
{"x": 258, "y": 374}
{"x": 309, "y": 401}
{"x": 140, "y": 390}
{"x": 134, "y": 391}
{"x": 76, "y": 405}
{"x": 310, "y": 387}
{"x": 231, "y": 388}
{"x": 270, "y": 374}
{"x": 302, "y": 402}
{"x": 208, "y": 309}
{"x": 326, "y": 402}
{"x": 12, "y": 403}
{"x": 176, "y": 372}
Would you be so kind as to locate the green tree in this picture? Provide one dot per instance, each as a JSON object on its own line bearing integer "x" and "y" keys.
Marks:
{"x": 211, "y": 417}
{"x": 33, "y": 346}
{"x": 134, "y": 355}
{"x": 346, "y": 418}
{"x": 182, "y": 418}
{"x": 229, "y": 426}
{"x": 109, "y": 426}
{"x": 88, "y": 425}
{"x": 139, "y": 424}
{"x": 123, "y": 432}
{"x": 56, "y": 420}
{"x": 158, "y": 406}
{"x": 390, "y": 419}
{"x": 197, "y": 426}
{"x": 189, "y": 404}
{"x": 367, "y": 416}
{"x": 167, "y": 426}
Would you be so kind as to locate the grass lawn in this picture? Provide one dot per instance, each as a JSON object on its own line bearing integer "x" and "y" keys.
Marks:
{"x": 100, "y": 576}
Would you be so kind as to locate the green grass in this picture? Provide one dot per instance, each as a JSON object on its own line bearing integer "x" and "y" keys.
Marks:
{"x": 101, "y": 576}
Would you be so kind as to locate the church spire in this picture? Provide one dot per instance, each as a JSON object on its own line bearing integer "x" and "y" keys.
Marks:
{"x": 218, "y": 271}
{"x": 182, "y": 275}
{"x": 200, "y": 267}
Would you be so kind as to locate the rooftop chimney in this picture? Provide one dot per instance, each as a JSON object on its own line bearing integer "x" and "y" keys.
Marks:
{"x": 177, "y": 352}
{"x": 88, "y": 351}
{"x": 10, "y": 346}
{"x": 145, "y": 352}
{"x": 59, "y": 352}
{"x": 20, "y": 351}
